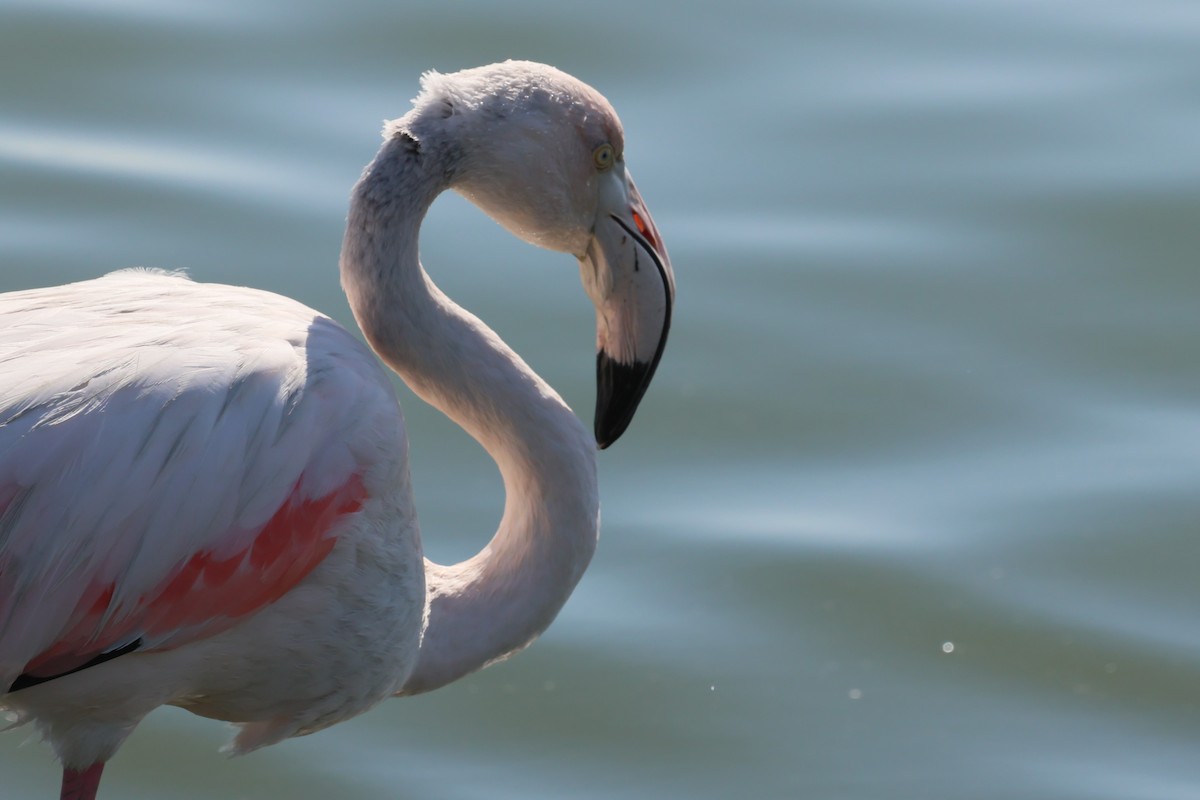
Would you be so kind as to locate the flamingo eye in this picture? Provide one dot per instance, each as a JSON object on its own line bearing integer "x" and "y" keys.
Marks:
{"x": 603, "y": 156}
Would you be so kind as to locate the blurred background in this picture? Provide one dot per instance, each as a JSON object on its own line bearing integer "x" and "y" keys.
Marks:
{"x": 911, "y": 510}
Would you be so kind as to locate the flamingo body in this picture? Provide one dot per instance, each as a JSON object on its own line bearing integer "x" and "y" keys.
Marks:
{"x": 204, "y": 490}
{"x": 270, "y": 443}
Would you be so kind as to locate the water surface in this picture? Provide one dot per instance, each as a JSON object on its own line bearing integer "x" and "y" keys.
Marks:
{"x": 911, "y": 509}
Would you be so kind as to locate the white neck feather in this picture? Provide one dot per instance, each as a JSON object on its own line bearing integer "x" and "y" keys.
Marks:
{"x": 495, "y": 603}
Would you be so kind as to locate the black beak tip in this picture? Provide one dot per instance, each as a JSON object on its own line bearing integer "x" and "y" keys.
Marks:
{"x": 619, "y": 390}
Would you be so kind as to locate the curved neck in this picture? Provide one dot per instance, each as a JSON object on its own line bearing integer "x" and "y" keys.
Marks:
{"x": 497, "y": 602}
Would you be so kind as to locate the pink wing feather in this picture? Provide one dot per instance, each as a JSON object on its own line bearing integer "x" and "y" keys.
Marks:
{"x": 205, "y": 594}
{"x": 173, "y": 457}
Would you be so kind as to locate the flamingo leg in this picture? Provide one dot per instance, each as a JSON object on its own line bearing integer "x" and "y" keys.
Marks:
{"x": 81, "y": 784}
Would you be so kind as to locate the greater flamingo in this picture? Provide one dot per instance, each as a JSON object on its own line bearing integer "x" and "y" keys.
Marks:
{"x": 204, "y": 490}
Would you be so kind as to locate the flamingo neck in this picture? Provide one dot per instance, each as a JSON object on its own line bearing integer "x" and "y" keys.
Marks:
{"x": 497, "y": 602}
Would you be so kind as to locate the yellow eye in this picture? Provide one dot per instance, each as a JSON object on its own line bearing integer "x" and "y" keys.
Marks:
{"x": 603, "y": 156}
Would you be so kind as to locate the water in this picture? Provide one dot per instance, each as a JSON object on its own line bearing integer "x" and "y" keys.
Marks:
{"x": 911, "y": 509}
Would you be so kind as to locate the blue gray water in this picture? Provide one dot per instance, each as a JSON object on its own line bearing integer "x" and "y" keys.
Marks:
{"x": 911, "y": 510}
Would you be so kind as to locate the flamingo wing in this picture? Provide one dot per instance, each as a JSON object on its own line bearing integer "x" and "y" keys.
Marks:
{"x": 173, "y": 457}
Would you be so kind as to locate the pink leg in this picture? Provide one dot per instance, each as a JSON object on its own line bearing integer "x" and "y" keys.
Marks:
{"x": 81, "y": 784}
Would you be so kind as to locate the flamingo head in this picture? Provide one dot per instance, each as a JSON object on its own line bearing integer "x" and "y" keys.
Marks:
{"x": 544, "y": 155}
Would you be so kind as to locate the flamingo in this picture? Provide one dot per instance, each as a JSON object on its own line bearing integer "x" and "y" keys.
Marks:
{"x": 205, "y": 497}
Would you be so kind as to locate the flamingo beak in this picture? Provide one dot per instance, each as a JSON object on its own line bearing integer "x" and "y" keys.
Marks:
{"x": 627, "y": 273}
